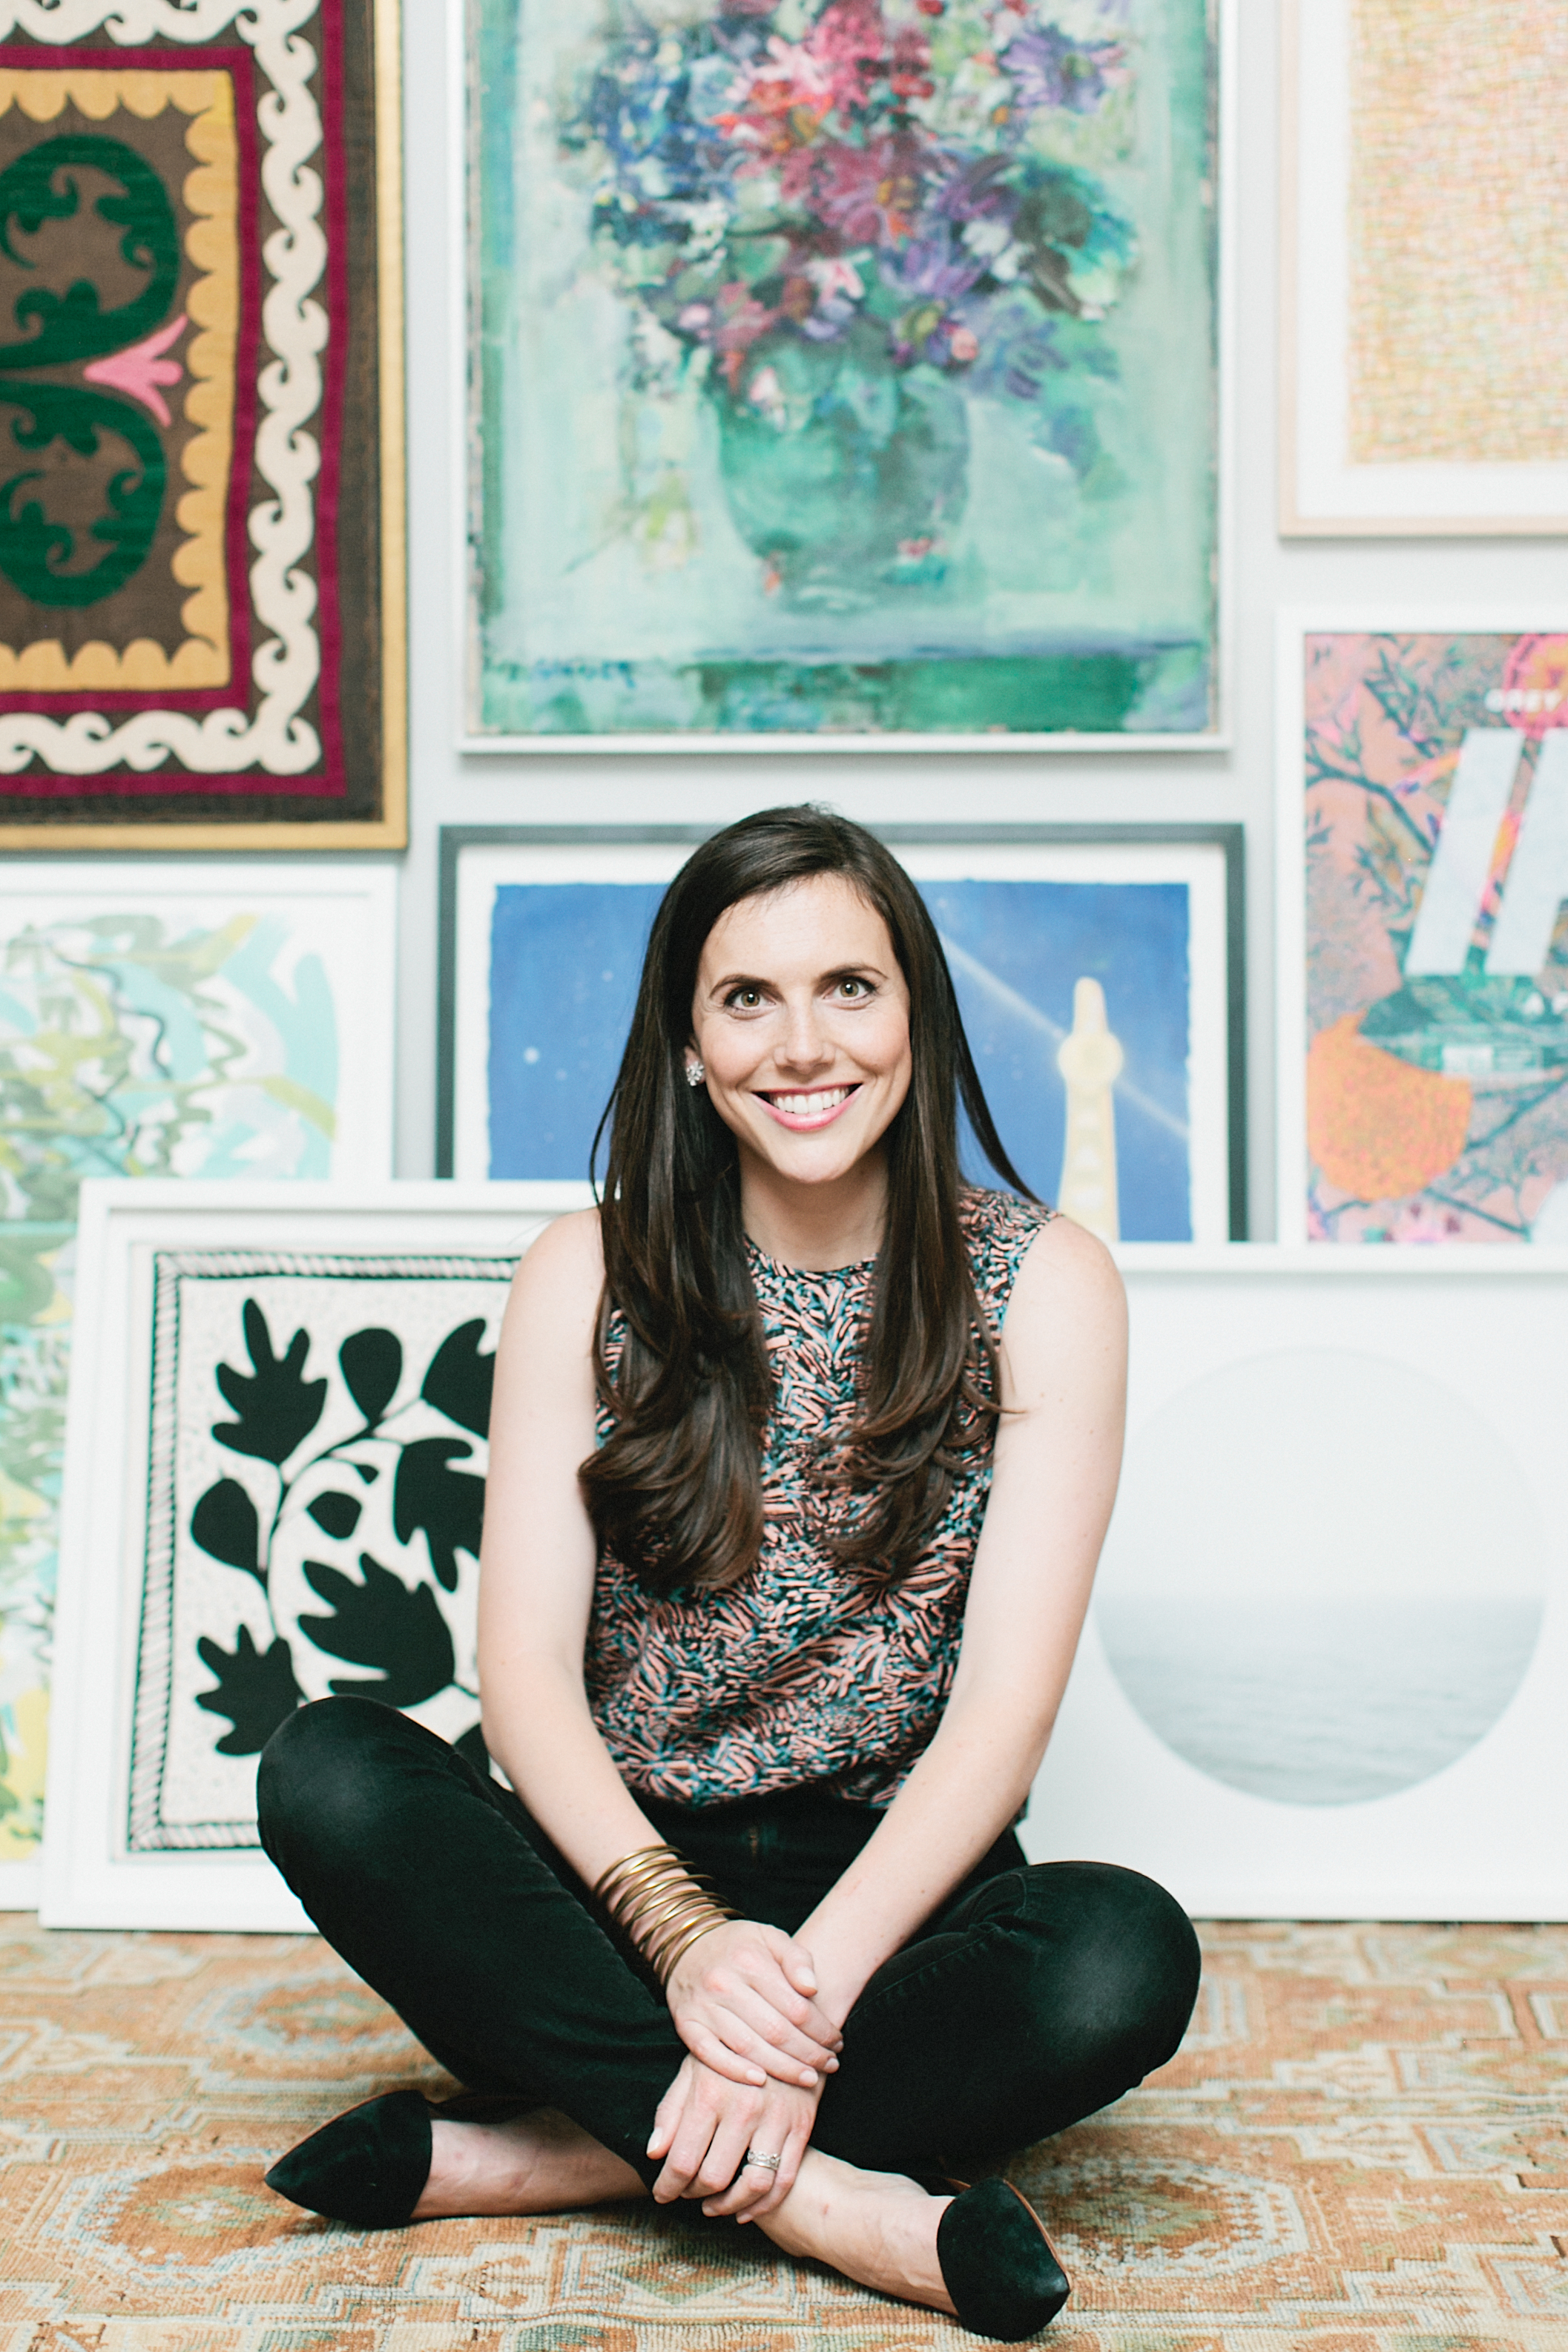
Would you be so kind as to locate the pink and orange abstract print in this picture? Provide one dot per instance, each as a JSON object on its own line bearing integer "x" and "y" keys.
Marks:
{"x": 1436, "y": 812}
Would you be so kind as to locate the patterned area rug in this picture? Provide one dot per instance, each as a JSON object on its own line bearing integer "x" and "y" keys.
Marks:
{"x": 1361, "y": 2149}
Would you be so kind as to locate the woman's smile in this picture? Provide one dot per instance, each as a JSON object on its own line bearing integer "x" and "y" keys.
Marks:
{"x": 803, "y": 1111}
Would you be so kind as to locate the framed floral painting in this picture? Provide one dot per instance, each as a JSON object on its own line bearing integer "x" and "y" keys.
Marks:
{"x": 841, "y": 370}
{"x": 1423, "y": 939}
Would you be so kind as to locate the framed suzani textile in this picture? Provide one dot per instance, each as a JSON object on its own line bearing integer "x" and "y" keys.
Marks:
{"x": 274, "y": 1485}
{"x": 1099, "y": 973}
{"x": 844, "y": 369}
{"x": 1423, "y": 947}
{"x": 1424, "y": 267}
{"x": 1328, "y": 1641}
{"x": 201, "y": 457}
{"x": 187, "y": 1021}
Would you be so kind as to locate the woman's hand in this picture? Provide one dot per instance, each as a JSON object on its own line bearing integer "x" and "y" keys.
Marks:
{"x": 741, "y": 2001}
{"x": 704, "y": 2125}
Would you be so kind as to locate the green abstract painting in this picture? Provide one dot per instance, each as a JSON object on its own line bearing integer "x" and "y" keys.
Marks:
{"x": 151, "y": 1026}
{"x": 843, "y": 366}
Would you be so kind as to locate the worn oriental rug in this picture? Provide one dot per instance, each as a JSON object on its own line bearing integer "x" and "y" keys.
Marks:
{"x": 1361, "y": 2149}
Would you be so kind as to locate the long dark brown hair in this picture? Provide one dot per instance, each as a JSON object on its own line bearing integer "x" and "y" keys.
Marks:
{"x": 676, "y": 1489}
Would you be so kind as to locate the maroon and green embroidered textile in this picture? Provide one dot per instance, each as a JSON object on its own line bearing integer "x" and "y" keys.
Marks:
{"x": 803, "y": 1671}
{"x": 200, "y": 623}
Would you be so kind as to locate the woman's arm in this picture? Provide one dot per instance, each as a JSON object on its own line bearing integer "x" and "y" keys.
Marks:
{"x": 739, "y": 1997}
{"x": 1058, "y": 1452}
{"x": 537, "y": 1558}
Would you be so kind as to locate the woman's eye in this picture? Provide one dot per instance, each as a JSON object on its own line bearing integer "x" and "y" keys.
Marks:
{"x": 747, "y": 998}
{"x": 855, "y": 989}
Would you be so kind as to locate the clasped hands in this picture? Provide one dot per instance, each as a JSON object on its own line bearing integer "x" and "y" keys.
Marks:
{"x": 743, "y": 2001}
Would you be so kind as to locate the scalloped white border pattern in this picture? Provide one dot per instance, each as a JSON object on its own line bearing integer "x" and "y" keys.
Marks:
{"x": 287, "y": 663}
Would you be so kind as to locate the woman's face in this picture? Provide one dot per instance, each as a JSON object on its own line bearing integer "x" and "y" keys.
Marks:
{"x": 801, "y": 1019}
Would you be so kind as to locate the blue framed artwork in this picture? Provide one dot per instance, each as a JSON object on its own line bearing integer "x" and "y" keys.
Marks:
{"x": 1099, "y": 972}
{"x": 844, "y": 368}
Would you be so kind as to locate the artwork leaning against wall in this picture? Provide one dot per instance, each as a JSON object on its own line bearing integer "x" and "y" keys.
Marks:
{"x": 154, "y": 1020}
{"x": 843, "y": 366}
{"x": 275, "y": 1493}
{"x": 1099, "y": 972}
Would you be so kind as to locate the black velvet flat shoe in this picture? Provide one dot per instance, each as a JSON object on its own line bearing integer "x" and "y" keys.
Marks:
{"x": 368, "y": 2167}
{"x": 997, "y": 2263}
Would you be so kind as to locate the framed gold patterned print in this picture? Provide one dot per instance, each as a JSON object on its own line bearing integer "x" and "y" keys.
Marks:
{"x": 1424, "y": 302}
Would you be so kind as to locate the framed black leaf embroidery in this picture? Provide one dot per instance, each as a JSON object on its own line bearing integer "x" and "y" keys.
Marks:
{"x": 274, "y": 1494}
{"x": 329, "y": 1543}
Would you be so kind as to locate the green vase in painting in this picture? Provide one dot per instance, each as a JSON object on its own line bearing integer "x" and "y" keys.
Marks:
{"x": 844, "y": 473}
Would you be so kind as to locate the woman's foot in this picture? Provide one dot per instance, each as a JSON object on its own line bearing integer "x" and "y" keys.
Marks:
{"x": 876, "y": 2228}
{"x": 541, "y": 2162}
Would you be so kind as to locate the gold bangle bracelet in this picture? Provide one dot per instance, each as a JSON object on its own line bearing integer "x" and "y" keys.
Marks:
{"x": 629, "y": 1901}
{"x": 698, "y": 1917}
{"x": 630, "y": 1895}
{"x": 642, "y": 1857}
{"x": 659, "y": 1905}
{"x": 633, "y": 1895}
{"x": 654, "y": 1927}
{"x": 638, "y": 1918}
{"x": 659, "y": 1932}
{"x": 664, "y": 1966}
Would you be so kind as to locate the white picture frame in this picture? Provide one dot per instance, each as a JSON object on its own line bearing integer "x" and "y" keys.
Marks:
{"x": 1473, "y": 1335}
{"x": 1325, "y": 491}
{"x": 147, "y": 1819}
{"x": 1414, "y": 635}
{"x": 534, "y": 1006}
{"x": 243, "y": 1013}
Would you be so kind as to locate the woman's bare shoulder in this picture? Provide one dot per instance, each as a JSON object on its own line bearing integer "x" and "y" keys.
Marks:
{"x": 564, "y": 1266}
{"x": 1064, "y": 1251}
{"x": 1069, "y": 1296}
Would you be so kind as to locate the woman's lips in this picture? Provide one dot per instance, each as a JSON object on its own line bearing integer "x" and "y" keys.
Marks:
{"x": 804, "y": 1110}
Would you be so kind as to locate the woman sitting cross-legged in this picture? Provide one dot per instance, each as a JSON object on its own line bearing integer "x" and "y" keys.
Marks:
{"x": 802, "y": 1453}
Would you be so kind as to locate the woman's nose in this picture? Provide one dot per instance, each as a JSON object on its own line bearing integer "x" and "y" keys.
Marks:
{"x": 804, "y": 1045}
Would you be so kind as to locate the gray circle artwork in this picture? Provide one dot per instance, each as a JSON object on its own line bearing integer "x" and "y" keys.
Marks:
{"x": 1324, "y": 1579}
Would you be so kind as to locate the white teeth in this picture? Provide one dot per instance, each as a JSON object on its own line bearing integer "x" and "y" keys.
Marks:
{"x": 811, "y": 1106}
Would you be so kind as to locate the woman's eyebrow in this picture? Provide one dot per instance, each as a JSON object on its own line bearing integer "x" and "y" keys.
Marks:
{"x": 863, "y": 970}
{"x": 737, "y": 980}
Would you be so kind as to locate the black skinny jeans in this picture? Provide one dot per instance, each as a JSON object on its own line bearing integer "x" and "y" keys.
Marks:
{"x": 1036, "y": 1994}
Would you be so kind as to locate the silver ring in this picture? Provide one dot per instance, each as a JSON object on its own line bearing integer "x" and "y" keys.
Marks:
{"x": 768, "y": 2163}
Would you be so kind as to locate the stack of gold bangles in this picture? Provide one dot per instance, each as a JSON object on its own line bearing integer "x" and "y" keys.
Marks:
{"x": 660, "y": 1905}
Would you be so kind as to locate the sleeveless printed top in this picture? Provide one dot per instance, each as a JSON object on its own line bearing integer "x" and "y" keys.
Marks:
{"x": 804, "y": 1670}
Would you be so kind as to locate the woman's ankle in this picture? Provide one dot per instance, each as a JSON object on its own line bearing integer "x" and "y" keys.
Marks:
{"x": 876, "y": 2228}
{"x": 541, "y": 2162}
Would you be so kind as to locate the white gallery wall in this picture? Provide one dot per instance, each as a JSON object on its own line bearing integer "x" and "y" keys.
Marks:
{"x": 1265, "y": 572}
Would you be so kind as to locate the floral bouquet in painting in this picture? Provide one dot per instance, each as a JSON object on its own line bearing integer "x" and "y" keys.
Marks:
{"x": 849, "y": 217}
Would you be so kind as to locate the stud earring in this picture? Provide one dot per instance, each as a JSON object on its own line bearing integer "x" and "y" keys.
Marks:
{"x": 695, "y": 1074}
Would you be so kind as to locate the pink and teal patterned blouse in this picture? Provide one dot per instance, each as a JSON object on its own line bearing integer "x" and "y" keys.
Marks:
{"x": 804, "y": 1670}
